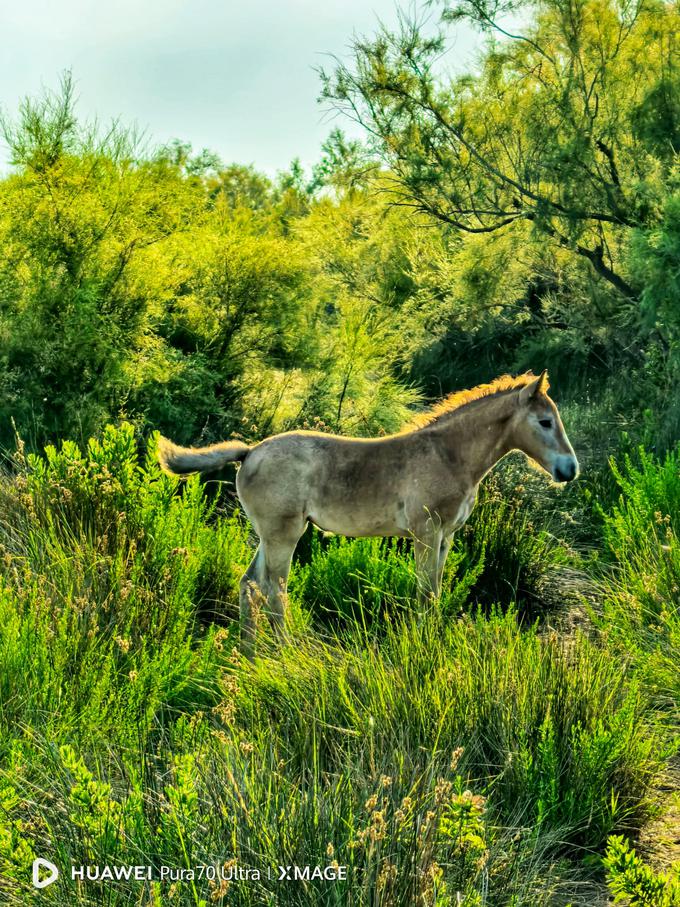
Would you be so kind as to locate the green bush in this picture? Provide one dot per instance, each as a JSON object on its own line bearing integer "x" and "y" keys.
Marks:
{"x": 510, "y": 555}
{"x": 641, "y": 592}
{"x": 632, "y": 882}
{"x": 369, "y": 580}
{"x": 648, "y": 508}
{"x": 104, "y": 570}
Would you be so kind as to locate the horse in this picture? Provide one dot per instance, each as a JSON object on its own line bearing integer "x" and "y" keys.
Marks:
{"x": 420, "y": 483}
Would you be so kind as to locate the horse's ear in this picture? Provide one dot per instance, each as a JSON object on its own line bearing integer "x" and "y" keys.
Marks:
{"x": 539, "y": 386}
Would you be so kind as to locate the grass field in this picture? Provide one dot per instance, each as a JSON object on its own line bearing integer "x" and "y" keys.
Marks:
{"x": 508, "y": 747}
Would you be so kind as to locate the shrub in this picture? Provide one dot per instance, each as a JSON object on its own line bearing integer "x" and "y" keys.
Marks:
{"x": 633, "y": 882}
{"x": 369, "y": 580}
{"x": 509, "y": 554}
{"x": 104, "y": 570}
{"x": 649, "y": 502}
{"x": 641, "y": 592}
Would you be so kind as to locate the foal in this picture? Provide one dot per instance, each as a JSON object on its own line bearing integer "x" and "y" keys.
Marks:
{"x": 421, "y": 483}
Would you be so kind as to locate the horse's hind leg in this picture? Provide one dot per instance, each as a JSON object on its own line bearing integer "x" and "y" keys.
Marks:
{"x": 277, "y": 556}
{"x": 250, "y": 586}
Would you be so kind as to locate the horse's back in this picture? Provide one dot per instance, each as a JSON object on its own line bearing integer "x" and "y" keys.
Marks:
{"x": 301, "y": 461}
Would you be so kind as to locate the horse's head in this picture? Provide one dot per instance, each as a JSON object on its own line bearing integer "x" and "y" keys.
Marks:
{"x": 537, "y": 430}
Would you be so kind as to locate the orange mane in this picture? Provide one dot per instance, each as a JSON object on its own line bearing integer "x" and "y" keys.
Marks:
{"x": 458, "y": 399}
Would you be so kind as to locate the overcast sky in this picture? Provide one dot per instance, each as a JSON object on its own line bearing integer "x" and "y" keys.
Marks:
{"x": 235, "y": 76}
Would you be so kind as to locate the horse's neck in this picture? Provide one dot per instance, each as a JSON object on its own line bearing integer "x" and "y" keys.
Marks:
{"x": 478, "y": 435}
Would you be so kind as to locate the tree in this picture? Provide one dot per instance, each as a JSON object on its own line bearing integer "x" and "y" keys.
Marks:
{"x": 567, "y": 127}
{"x": 81, "y": 221}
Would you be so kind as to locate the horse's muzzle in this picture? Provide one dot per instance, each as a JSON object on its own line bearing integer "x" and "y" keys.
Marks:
{"x": 565, "y": 469}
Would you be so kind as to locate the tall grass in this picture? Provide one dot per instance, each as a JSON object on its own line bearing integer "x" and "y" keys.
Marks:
{"x": 547, "y": 728}
{"x": 462, "y": 758}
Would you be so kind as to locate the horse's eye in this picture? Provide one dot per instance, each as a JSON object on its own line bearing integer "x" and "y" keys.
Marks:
{"x": 545, "y": 423}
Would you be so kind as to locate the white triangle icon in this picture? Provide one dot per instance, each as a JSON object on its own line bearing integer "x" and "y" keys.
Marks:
{"x": 43, "y": 882}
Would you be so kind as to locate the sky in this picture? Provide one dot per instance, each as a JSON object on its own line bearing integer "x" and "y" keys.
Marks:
{"x": 234, "y": 76}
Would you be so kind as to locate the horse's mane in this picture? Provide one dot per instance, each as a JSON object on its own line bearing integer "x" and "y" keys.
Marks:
{"x": 458, "y": 399}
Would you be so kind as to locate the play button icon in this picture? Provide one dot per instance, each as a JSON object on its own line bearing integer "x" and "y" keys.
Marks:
{"x": 40, "y": 880}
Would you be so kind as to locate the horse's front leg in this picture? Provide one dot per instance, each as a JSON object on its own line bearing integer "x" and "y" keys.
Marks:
{"x": 427, "y": 552}
{"x": 444, "y": 548}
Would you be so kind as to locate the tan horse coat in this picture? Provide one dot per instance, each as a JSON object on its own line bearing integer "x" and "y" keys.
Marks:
{"x": 421, "y": 483}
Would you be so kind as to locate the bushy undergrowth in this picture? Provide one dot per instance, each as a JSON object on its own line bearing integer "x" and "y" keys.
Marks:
{"x": 368, "y": 581}
{"x": 105, "y": 569}
{"x": 445, "y": 760}
{"x": 641, "y": 593}
{"x": 634, "y": 883}
{"x": 510, "y": 555}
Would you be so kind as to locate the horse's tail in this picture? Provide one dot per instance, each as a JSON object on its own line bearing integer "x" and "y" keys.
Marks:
{"x": 185, "y": 460}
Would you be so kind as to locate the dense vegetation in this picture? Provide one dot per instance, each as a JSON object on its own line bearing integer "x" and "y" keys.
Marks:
{"x": 462, "y": 752}
{"x": 509, "y": 746}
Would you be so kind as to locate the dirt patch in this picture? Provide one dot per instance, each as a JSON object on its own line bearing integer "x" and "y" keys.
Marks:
{"x": 571, "y": 596}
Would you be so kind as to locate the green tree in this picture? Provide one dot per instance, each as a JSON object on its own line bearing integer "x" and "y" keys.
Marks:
{"x": 82, "y": 219}
{"x": 568, "y": 127}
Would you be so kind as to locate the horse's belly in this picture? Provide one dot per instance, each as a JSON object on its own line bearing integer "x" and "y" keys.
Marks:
{"x": 356, "y": 523}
